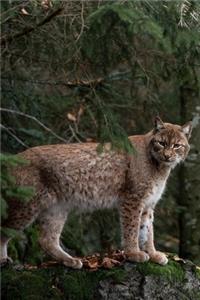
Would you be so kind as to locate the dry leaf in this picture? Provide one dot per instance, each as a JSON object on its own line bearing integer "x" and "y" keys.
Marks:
{"x": 71, "y": 117}
{"x": 109, "y": 263}
{"x": 24, "y": 12}
{"x": 30, "y": 267}
{"x": 49, "y": 264}
{"x": 119, "y": 256}
{"x": 92, "y": 262}
{"x": 176, "y": 258}
{"x": 46, "y": 4}
{"x": 80, "y": 111}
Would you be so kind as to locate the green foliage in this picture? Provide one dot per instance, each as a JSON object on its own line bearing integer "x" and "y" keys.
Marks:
{"x": 197, "y": 270}
{"x": 113, "y": 31}
{"x": 114, "y": 133}
{"x": 86, "y": 233}
{"x": 9, "y": 189}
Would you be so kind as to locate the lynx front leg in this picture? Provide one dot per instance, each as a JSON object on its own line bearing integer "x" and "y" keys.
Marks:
{"x": 130, "y": 219}
{"x": 155, "y": 256}
{"x": 51, "y": 223}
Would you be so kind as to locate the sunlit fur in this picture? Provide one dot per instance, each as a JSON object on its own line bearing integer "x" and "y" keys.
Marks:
{"x": 169, "y": 145}
{"x": 146, "y": 222}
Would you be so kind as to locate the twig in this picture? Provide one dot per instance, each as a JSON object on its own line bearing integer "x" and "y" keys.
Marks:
{"x": 35, "y": 120}
{"x": 27, "y": 30}
{"x": 70, "y": 84}
{"x": 82, "y": 22}
{"x": 74, "y": 135}
{"x": 14, "y": 136}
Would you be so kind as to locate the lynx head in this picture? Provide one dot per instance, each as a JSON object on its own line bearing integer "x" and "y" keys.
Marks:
{"x": 169, "y": 143}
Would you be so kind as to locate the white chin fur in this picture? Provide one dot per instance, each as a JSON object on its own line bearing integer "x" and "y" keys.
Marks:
{"x": 172, "y": 164}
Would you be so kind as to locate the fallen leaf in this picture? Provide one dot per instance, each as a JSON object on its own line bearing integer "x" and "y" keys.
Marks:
{"x": 178, "y": 259}
{"x": 91, "y": 263}
{"x": 71, "y": 117}
{"x": 30, "y": 267}
{"x": 24, "y": 12}
{"x": 80, "y": 111}
{"x": 109, "y": 263}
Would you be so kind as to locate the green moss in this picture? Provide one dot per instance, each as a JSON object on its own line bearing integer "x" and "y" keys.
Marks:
{"x": 82, "y": 284}
{"x": 197, "y": 272}
{"x": 55, "y": 283}
{"x": 27, "y": 285}
{"x": 117, "y": 274}
{"x": 60, "y": 283}
{"x": 196, "y": 296}
{"x": 172, "y": 271}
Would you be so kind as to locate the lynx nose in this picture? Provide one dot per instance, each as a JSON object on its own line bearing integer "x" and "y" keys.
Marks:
{"x": 167, "y": 155}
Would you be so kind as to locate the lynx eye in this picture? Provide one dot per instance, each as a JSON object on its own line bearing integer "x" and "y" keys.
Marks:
{"x": 161, "y": 143}
{"x": 177, "y": 146}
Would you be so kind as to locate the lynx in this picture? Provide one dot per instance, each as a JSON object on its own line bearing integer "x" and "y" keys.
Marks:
{"x": 77, "y": 177}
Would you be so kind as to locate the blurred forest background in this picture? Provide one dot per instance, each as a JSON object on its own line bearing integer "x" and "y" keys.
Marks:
{"x": 78, "y": 71}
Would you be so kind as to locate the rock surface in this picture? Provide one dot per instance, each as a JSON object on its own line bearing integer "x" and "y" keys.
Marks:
{"x": 179, "y": 280}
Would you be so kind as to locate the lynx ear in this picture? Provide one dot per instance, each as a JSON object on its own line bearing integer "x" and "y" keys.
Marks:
{"x": 159, "y": 125}
{"x": 187, "y": 129}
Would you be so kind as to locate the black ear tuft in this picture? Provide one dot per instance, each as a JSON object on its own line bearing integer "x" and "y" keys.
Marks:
{"x": 158, "y": 123}
{"x": 187, "y": 129}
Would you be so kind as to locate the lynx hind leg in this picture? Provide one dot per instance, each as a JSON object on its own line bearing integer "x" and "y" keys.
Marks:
{"x": 20, "y": 215}
{"x": 51, "y": 222}
{"x": 4, "y": 258}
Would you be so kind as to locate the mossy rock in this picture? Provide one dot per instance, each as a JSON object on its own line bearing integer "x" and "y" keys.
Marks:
{"x": 177, "y": 280}
{"x": 172, "y": 271}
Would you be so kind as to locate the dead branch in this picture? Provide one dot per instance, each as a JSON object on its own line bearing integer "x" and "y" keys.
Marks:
{"x": 68, "y": 83}
{"x": 13, "y": 135}
{"x": 82, "y": 22}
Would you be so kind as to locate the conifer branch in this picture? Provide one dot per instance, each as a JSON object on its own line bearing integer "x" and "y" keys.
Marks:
{"x": 35, "y": 120}
{"x": 9, "y": 38}
{"x": 13, "y": 135}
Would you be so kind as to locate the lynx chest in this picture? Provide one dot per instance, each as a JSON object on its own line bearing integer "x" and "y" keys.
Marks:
{"x": 154, "y": 193}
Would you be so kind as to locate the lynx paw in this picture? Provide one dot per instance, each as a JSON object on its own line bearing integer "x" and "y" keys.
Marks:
{"x": 137, "y": 256}
{"x": 74, "y": 263}
{"x": 159, "y": 258}
{"x": 6, "y": 261}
